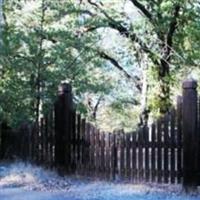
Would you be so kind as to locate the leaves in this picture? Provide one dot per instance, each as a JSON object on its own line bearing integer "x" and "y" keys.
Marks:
{"x": 46, "y": 42}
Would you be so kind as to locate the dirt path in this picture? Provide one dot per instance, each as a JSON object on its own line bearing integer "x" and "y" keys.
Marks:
{"x": 26, "y": 182}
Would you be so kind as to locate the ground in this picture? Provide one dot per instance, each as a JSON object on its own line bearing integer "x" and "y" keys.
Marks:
{"x": 21, "y": 181}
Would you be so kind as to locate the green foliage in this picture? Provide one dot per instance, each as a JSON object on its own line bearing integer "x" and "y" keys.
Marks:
{"x": 46, "y": 42}
{"x": 41, "y": 49}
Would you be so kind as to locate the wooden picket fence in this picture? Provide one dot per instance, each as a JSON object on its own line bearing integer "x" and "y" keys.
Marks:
{"x": 150, "y": 154}
{"x": 160, "y": 152}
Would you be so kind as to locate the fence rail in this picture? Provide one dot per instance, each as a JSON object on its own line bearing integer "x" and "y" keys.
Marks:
{"x": 159, "y": 152}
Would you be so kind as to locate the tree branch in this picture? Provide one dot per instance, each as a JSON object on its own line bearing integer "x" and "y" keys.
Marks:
{"x": 95, "y": 109}
{"x": 142, "y": 9}
{"x": 124, "y": 32}
{"x": 173, "y": 26}
{"x": 133, "y": 37}
{"x": 119, "y": 67}
{"x": 87, "y": 12}
{"x": 132, "y": 102}
{"x": 92, "y": 3}
{"x": 114, "y": 62}
{"x": 169, "y": 38}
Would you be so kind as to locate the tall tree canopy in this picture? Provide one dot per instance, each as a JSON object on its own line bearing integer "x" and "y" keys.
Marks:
{"x": 125, "y": 59}
{"x": 158, "y": 34}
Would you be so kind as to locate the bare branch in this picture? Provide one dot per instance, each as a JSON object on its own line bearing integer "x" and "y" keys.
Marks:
{"x": 128, "y": 34}
{"x": 142, "y": 9}
{"x": 95, "y": 109}
{"x": 124, "y": 32}
{"x": 92, "y": 3}
{"x": 119, "y": 67}
{"x": 102, "y": 10}
{"x": 114, "y": 62}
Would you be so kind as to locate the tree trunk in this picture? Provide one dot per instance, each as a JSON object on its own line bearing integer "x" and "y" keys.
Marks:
{"x": 144, "y": 116}
{"x": 40, "y": 56}
{"x": 164, "y": 83}
{"x": 38, "y": 99}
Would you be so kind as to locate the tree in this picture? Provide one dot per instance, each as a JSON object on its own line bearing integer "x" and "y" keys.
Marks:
{"x": 158, "y": 38}
{"x": 41, "y": 49}
{"x": 123, "y": 58}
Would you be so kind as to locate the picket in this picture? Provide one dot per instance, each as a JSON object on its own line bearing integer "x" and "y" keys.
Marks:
{"x": 153, "y": 152}
{"x": 166, "y": 148}
{"x": 127, "y": 167}
{"x": 147, "y": 153}
{"x": 179, "y": 137}
{"x": 172, "y": 125}
{"x": 102, "y": 159}
{"x": 134, "y": 164}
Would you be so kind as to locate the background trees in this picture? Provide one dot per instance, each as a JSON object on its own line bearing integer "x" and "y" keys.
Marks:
{"x": 125, "y": 59}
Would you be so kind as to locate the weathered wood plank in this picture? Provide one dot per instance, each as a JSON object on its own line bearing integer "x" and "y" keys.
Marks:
{"x": 83, "y": 143}
{"x": 102, "y": 141}
{"x": 73, "y": 143}
{"x": 153, "y": 153}
{"x": 166, "y": 148}
{"x": 147, "y": 154}
{"x": 134, "y": 157}
{"x": 128, "y": 160}
{"x": 140, "y": 154}
{"x": 122, "y": 163}
{"x": 98, "y": 153}
{"x": 159, "y": 150}
{"x": 78, "y": 141}
{"x": 172, "y": 124}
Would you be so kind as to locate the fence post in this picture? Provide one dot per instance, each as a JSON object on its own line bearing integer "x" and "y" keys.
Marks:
{"x": 179, "y": 137}
{"x": 63, "y": 113}
{"x": 5, "y": 140}
{"x": 190, "y": 136}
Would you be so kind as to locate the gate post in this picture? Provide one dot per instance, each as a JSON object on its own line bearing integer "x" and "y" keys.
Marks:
{"x": 190, "y": 134}
{"x": 63, "y": 113}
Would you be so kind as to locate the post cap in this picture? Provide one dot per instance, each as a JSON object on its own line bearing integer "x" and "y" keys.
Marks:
{"x": 64, "y": 88}
{"x": 189, "y": 84}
